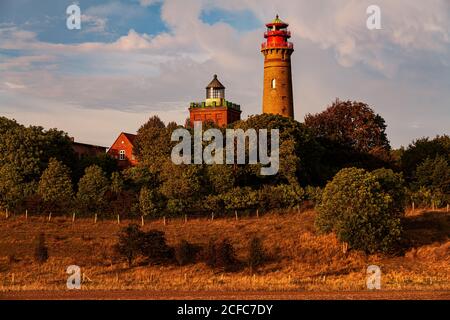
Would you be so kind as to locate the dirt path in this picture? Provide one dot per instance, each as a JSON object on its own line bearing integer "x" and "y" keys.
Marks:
{"x": 216, "y": 295}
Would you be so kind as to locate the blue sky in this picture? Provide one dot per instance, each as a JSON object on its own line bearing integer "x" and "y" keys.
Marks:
{"x": 133, "y": 59}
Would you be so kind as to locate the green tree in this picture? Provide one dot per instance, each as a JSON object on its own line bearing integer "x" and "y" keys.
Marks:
{"x": 421, "y": 149}
{"x": 359, "y": 207}
{"x": 153, "y": 145}
{"x": 300, "y": 153}
{"x": 13, "y": 189}
{"x": 181, "y": 186}
{"x": 55, "y": 186}
{"x": 117, "y": 183}
{"x": 92, "y": 188}
{"x": 434, "y": 175}
{"x": 149, "y": 202}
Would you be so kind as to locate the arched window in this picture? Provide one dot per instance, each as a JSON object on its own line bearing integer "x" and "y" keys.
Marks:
{"x": 274, "y": 83}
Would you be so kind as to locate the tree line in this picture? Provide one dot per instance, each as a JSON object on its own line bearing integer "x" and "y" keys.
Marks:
{"x": 40, "y": 172}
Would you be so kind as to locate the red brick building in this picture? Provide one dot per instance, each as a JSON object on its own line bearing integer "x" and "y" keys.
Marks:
{"x": 122, "y": 150}
{"x": 215, "y": 108}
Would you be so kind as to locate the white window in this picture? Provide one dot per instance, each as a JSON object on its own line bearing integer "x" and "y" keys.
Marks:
{"x": 122, "y": 155}
{"x": 274, "y": 83}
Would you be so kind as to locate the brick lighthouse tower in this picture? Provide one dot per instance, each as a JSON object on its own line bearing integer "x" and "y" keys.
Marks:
{"x": 277, "y": 95}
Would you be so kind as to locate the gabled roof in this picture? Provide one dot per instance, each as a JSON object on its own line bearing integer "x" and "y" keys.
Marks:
{"x": 130, "y": 137}
{"x": 215, "y": 83}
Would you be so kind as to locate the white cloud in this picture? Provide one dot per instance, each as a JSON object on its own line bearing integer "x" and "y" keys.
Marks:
{"x": 336, "y": 56}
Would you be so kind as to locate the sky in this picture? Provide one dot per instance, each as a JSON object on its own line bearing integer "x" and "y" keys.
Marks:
{"x": 138, "y": 58}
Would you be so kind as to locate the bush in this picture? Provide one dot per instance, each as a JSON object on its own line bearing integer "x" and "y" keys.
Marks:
{"x": 130, "y": 240}
{"x": 226, "y": 256}
{"x": 363, "y": 209}
{"x": 256, "y": 253}
{"x": 281, "y": 196}
{"x": 313, "y": 194}
{"x": 221, "y": 255}
{"x": 186, "y": 253}
{"x": 41, "y": 251}
{"x": 153, "y": 246}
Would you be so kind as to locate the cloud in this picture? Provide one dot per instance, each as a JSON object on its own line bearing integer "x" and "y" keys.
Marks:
{"x": 11, "y": 85}
{"x": 336, "y": 56}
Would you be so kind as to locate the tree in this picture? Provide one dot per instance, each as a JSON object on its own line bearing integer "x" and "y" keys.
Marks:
{"x": 149, "y": 202}
{"x": 353, "y": 124}
{"x": 300, "y": 153}
{"x": 363, "y": 210}
{"x": 13, "y": 190}
{"x": 29, "y": 149}
{"x": 434, "y": 175}
{"x": 55, "y": 186}
{"x": 92, "y": 188}
{"x": 420, "y": 150}
{"x": 181, "y": 186}
{"x": 153, "y": 144}
{"x": 117, "y": 183}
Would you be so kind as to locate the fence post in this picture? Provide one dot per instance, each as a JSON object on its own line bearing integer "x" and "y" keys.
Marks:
{"x": 164, "y": 220}
{"x": 26, "y": 214}
{"x": 73, "y": 217}
{"x": 432, "y": 205}
{"x": 118, "y": 219}
{"x": 448, "y": 207}
{"x": 95, "y": 218}
{"x": 185, "y": 218}
{"x": 257, "y": 213}
{"x": 212, "y": 216}
{"x": 236, "y": 214}
{"x": 6, "y": 213}
{"x": 413, "y": 206}
{"x": 49, "y": 217}
{"x": 142, "y": 221}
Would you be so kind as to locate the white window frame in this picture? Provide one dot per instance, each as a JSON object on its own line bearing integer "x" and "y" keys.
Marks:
{"x": 273, "y": 84}
{"x": 122, "y": 155}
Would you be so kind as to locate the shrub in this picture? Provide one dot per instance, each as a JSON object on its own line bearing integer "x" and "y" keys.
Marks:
{"x": 281, "y": 196}
{"x": 363, "y": 209}
{"x": 130, "y": 240}
{"x": 153, "y": 246}
{"x": 221, "y": 255}
{"x": 313, "y": 194}
{"x": 41, "y": 250}
{"x": 256, "y": 253}
{"x": 186, "y": 253}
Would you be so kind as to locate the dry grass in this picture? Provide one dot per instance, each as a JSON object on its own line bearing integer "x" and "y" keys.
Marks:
{"x": 302, "y": 260}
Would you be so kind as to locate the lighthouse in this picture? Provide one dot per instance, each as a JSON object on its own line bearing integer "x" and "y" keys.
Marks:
{"x": 277, "y": 51}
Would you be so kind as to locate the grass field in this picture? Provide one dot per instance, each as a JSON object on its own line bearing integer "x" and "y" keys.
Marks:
{"x": 301, "y": 259}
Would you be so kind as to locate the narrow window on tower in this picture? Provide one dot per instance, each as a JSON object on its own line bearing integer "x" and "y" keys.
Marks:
{"x": 122, "y": 155}
{"x": 274, "y": 83}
